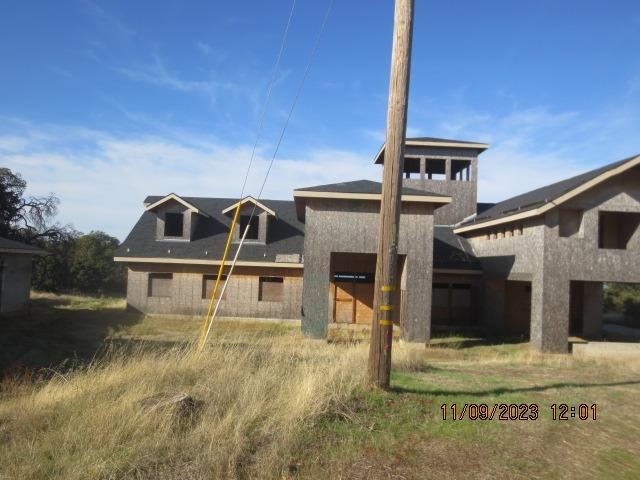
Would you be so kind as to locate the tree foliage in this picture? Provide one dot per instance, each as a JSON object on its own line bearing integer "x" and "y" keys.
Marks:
{"x": 623, "y": 298}
{"x": 75, "y": 262}
{"x": 92, "y": 267}
{"x": 26, "y": 218}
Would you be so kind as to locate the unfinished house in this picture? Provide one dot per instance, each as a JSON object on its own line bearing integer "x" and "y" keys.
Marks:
{"x": 532, "y": 266}
{"x": 340, "y": 245}
{"x": 16, "y": 260}
{"x": 545, "y": 254}
{"x": 173, "y": 254}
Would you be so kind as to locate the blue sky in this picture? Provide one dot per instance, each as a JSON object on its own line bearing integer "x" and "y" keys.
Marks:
{"x": 105, "y": 102}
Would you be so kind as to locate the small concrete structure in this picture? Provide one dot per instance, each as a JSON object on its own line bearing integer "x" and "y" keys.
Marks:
{"x": 16, "y": 260}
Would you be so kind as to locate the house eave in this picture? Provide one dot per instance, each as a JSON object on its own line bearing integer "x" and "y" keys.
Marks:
{"x": 418, "y": 143}
{"x": 197, "y": 261}
{"x": 262, "y": 206}
{"x": 23, "y": 252}
{"x": 370, "y": 196}
{"x": 180, "y": 200}
{"x": 550, "y": 204}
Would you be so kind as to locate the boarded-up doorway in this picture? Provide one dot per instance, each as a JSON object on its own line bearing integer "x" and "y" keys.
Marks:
{"x": 351, "y": 290}
{"x": 353, "y": 297}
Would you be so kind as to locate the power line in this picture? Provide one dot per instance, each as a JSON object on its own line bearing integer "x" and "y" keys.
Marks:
{"x": 312, "y": 55}
{"x": 265, "y": 105}
{"x": 208, "y": 318}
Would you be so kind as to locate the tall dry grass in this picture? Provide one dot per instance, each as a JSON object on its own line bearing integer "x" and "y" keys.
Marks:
{"x": 258, "y": 398}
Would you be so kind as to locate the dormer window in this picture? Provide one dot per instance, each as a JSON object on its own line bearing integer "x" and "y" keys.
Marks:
{"x": 176, "y": 218}
{"x": 254, "y": 226}
{"x": 254, "y": 215}
{"x": 173, "y": 224}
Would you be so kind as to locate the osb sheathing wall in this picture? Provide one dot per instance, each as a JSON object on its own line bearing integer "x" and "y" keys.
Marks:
{"x": 464, "y": 194}
{"x": 352, "y": 226}
{"x": 241, "y": 296}
{"x": 579, "y": 258}
{"x": 551, "y": 262}
{"x": 16, "y": 281}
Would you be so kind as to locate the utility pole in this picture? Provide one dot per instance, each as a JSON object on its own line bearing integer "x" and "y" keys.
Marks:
{"x": 386, "y": 299}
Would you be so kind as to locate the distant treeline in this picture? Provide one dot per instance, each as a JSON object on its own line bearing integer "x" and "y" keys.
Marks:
{"x": 76, "y": 262}
{"x": 80, "y": 263}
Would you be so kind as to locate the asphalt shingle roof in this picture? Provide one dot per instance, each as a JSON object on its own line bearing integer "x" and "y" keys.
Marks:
{"x": 19, "y": 247}
{"x": 285, "y": 234}
{"x": 540, "y": 196}
{"x": 452, "y": 251}
{"x": 439, "y": 140}
{"x": 365, "y": 187}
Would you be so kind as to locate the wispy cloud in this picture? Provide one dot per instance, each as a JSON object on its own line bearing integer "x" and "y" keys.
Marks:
{"x": 13, "y": 143}
{"x": 633, "y": 88}
{"x": 102, "y": 179}
{"x": 204, "y": 48}
{"x": 156, "y": 73}
{"x": 379, "y": 136}
{"x": 60, "y": 71}
{"x": 532, "y": 147}
{"x": 109, "y": 21}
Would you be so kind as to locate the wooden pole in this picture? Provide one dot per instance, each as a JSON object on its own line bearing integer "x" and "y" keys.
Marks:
{"x": 386, "y": 299}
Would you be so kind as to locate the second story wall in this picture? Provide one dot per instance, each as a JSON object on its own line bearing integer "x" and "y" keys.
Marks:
{"x": 352, "y": 226}
{"x": 512, "y": 251}
{"x": 596, "y": 235}
{"x": 593, "y": 237}
{"x": 447, "y": 171}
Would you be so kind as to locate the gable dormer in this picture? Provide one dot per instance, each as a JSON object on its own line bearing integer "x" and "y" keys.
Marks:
{"x": 254, "y": 214}
{"x": 176, "y": 218}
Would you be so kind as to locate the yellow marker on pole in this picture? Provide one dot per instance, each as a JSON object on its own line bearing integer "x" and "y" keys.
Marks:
{"x": 207, "y": 319}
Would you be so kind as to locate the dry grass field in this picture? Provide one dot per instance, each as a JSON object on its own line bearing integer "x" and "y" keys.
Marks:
{"x": 270, "y": 404}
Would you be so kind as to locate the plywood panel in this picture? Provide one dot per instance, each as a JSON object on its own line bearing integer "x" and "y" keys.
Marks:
{"x": 364, "y": 302}
{"x": 344, "y": 308}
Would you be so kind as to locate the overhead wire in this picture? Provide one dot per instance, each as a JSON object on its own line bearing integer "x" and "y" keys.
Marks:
{"x": 265, "y": 105}
{"x": 307, "y": 69}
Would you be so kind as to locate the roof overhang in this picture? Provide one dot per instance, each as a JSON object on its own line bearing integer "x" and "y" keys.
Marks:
{"x": 371, "y": 196}
{"x": 551, "y": 203}
{"x": 18, "y": 251}
{"x": 196, "y": 261}
{"x": 249, "y": 199}
{"x": 457, "y": 271}
{"x": 180, "y": 200}
{"x": 426, "y": 143}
